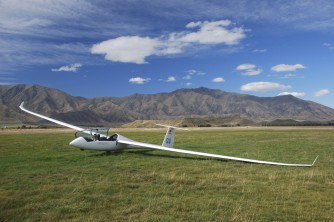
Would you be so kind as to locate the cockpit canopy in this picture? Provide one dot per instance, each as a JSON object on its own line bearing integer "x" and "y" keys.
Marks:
{"x": 96, "y": 134}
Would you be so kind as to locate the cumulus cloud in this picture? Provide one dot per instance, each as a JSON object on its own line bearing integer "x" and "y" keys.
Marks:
{"x": 127, "y": 49}
{"x": 171, "y": 79}
{"x": 135, "y": 49}
{"x": 69, "y": 68}
{"x": 249, "y": 69}
{"x": 252, "y": 72}
{"x": 245, "y": 66}
{"x": 216, "y": 32}
{"x": 295, "y": 94}
{"x": 263, "y": 87}
{"x": 322, "y": 92}
{"x": 218, "y": 79}
{"x": 287, "y": 68}
{"x": 139, "y": 80}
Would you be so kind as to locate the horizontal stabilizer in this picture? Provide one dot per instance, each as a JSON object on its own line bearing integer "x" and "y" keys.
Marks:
{"x": 174, "y": 127}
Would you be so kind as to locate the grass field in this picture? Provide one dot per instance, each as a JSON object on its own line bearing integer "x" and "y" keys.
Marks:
{"x": 42, "y": 178}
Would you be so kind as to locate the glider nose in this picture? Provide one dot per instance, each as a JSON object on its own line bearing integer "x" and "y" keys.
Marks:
{"x": 77, "y": 142}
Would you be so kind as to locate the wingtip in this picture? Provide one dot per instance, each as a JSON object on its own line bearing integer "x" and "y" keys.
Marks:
{"x": 315, "y": 160}
{"x": 22, "y": 104}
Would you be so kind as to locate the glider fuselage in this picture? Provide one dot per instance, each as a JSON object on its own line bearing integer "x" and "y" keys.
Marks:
{"x": 102, "y": 144}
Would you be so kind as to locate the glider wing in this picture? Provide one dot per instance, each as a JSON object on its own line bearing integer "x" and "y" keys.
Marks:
{"x": 52, "y": 120}
{"x": 152, "y": 146}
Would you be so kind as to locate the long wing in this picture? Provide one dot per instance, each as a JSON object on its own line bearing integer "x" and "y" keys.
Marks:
{"x": 139, "y": 144}
{"x": 52, "y": 120}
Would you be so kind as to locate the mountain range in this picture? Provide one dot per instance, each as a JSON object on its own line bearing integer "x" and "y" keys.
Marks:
{"x": 183, "y": 103}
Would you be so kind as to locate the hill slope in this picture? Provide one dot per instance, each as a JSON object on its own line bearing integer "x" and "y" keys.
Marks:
{"x": 182, "y": 103}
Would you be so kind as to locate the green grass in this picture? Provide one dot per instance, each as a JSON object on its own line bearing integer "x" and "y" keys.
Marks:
{"x": 44, "y": 179}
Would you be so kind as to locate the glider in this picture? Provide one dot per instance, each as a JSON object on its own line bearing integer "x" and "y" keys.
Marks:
{"x": 91, "y": 139}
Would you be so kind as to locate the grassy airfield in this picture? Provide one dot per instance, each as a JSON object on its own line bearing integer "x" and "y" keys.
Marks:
{"x": 42, "y": 178}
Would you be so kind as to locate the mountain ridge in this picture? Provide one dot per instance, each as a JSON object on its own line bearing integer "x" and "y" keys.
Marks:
{"x": 181, "y": 103}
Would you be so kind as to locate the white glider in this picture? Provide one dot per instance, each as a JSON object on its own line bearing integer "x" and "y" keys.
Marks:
{"x": 103, "y": 142}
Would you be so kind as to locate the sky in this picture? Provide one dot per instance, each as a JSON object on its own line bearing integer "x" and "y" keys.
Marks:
{"x": 93, "y": 48}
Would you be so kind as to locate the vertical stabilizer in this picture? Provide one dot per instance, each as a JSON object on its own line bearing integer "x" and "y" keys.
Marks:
{"x": 169, "y": 137}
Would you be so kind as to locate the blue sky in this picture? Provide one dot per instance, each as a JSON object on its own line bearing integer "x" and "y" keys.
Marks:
{"x": 119, "y": 47}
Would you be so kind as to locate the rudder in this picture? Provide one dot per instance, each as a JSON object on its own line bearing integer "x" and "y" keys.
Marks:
{"x": 169, "y": 137}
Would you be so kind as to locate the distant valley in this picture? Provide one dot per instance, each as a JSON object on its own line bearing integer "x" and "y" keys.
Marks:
{"x": 200, "y": 106}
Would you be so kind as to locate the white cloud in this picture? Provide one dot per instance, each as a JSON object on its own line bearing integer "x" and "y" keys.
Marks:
{"x": 193, "y": 72}
{"x": 260, "y": 50}
{"x": 127, "y": 49}
{"x": 7, "y": 80}
{"x": 290, "y": 75}
{"x": 245, "y": 66}
{"x": 188, "y": 84}
{"x": 328, "y": 45}
{"x": 218, "y": 79}
{"x": 139, "y": 80}
{"x": 6, "y": 83}
{"x": 34, "y": 17}
{"x": 193, "y": 24}
{"x": 249, "y": 69}
{"x": 287, "y": 68}
{"x": 69, "y": 68}
{"x": 51, "y": 22}
{"x": 322, "y": 92}
{"x": 21, "y": 25}
{"x": 216, "y": 32}
{"x": 295, "y": 94}
{"x": 171, "y": 79}
{"x": 252, "y": 72}
{"x": 263, "y": 87}
{"x": 286, "y": 76}
{"x": 135, "y": 49}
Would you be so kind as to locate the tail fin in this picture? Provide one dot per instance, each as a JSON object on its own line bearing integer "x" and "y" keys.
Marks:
{"x": 170, "y": 135}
